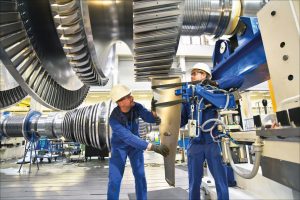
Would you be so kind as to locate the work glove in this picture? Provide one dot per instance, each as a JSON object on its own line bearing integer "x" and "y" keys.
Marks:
{"x": 210, "y": 82}
{"x": 161, "y": 149}
{"x": 157, "y": 120}
{"x": 153, "y": 106}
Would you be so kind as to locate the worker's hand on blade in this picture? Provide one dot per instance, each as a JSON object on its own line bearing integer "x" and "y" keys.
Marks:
{"x": 209, "y": 82}
{"x": 157, "y": 120}
{"x": 161, "y": 149}
{"x": 153, "y": 106}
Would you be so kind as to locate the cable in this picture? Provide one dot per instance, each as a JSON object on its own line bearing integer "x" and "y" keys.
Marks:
{"x": 198, "y": 120}
{"x": 214, "y": 119}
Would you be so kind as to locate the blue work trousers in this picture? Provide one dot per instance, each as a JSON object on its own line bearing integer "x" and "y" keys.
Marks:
{"x": 197, "y": 153}
{"x": 116, "y": 170}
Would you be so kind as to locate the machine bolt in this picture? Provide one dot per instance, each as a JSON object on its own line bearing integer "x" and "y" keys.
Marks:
{"x": 222, "y": 47}
{"x": 285, "y": 57}
{"x": 282, "y": 44}
{"x": 273, "y": 13}
{"x": 290, "y": 77}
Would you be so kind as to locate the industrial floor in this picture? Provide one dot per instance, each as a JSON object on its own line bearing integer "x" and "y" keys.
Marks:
{"x": 79, "y": 180}
{"x": 88, "y": 180}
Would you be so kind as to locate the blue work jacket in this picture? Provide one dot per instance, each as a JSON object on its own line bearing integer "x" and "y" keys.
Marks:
{"x": 208, "y": 113}
{"x": 125, "y": 132}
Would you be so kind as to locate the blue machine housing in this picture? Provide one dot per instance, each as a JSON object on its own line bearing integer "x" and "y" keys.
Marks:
{"x": 28, "y": 134}
{"x": 248, "y": 59}
{"x": 217, "y": 98}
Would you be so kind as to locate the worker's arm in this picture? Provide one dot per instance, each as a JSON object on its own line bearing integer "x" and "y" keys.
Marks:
{"x": 127, "y": 136}
{"x": 145, "y": 114}
{"x": 230, "y": 82}
{"x": 185, "y": 113}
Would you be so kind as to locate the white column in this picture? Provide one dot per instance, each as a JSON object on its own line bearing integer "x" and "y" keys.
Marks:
{"x": 183, "y": 67}
{"x": 115, "y": 71}
{"x": 246, "y": 107}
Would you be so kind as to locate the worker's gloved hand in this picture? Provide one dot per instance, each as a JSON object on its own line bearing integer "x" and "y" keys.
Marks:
{"x": 161, "y": 149}
{"x": 210, "y": 82}
{"x": 153, "y": 106}
{"x": 157, "y": 120}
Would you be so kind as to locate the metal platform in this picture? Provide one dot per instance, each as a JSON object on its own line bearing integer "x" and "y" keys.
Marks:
{"x": 172, "y": 193}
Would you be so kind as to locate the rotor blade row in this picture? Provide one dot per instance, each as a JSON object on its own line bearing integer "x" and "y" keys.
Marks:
{"x": 12, "y": 96}
{"x": 16, "y": 94}
{"x": 87, "y": 125}
{"x": 19, "y": 57}
{"x": 156, "y": 27}
{"x": 69, "y": 25}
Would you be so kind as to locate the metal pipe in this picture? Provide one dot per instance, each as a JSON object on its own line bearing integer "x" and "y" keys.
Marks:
{"x": 224, "y": 152}
{"x": 242, "y": 154}
{"x": 258, "y": 151}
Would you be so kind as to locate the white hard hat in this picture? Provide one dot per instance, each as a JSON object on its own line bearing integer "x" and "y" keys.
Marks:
{"x": 118, "y": 92}
{"x": 203, "y": 67}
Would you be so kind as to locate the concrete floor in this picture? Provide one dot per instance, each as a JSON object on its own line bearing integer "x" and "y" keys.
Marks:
{"x": 88, "y": 180}
{"x": 81, "y": 180}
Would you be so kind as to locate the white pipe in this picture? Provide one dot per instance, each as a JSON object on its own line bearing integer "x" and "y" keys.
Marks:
{"x": 213, "y": 126}
{"x": 258, "y": 151}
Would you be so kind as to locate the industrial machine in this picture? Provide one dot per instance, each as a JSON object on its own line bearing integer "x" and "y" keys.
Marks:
{"x": 88, "y": 125}
{"x": 58, "y": 68}
{"x": 257, "y": 51}
{"x": 279, "y": 160}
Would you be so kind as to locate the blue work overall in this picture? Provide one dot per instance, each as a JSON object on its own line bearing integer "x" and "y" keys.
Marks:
{"x": 125, "y": 142}
{"x": 204, "y": 148}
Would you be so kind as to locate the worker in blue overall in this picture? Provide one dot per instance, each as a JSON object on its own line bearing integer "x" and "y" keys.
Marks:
{"x": 203, "y": 147}
{"x": 125, "y": 141}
